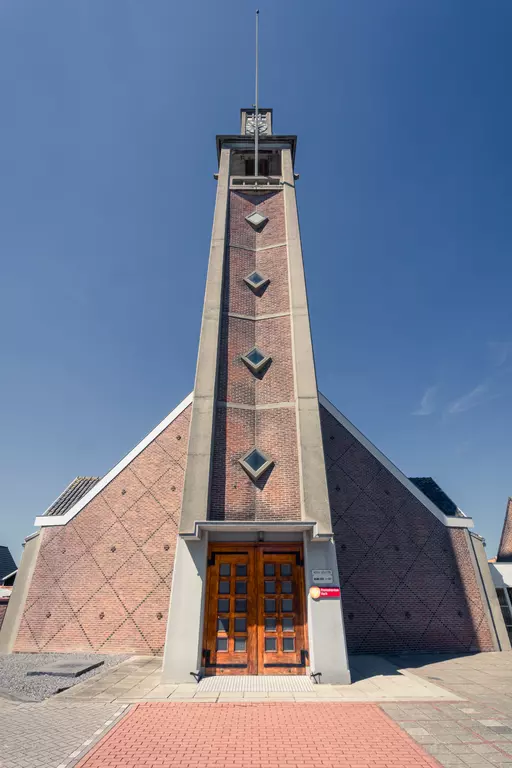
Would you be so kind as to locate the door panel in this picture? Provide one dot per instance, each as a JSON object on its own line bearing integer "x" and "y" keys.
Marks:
{"x": 254, "y": 617}
{"x": 280, "y": 613}
{"x": 230, "y": 635}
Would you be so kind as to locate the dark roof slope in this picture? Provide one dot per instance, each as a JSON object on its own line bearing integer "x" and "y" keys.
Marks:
{"x": 7, "y": 564}
{"x": 430, "y": 488}
{"x": 73, "y": 493}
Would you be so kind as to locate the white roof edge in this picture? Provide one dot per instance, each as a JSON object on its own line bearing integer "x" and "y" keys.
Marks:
{"x": 501, "y": 574}
{"x": 30, "y": 537}
{"x": 101, "y": 484}
{"x": 8, "y": 575}
{"x": 448, "y": 521}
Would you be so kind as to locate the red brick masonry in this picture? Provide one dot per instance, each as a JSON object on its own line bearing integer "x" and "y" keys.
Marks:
{"x": 276, "y": 495}
{"x": 266, "y": 735}
{"x": 505, "y": 550}
{"x": 102, "y": 581}
{"x": 407, "y": 581}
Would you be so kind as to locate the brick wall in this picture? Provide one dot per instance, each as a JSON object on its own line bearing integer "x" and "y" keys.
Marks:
{"x": 407, "y": 581}
{"x": 505, "y": 549}
{"x": 276, "y": 495}
{"x": 272, "y": 263}
{"x": 241, "y": 204}
{"x": 237, "y": 383}
{"x": 102, "y": 581}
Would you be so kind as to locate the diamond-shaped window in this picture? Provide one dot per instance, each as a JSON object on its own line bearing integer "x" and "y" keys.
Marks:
{"x": 255, "y": 359}
{"x": 256, "y": 220}
{"x": 255, "y": 463}
{"x": 256, "y": 281}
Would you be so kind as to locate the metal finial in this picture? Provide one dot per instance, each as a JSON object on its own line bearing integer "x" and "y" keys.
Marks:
{"x": 256, "y": 126}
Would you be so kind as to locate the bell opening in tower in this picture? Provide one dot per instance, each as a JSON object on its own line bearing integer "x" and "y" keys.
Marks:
{"x": 269, "y": 163}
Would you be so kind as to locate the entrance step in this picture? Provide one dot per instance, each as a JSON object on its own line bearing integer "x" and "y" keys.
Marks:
{"x": 254, "y": 684}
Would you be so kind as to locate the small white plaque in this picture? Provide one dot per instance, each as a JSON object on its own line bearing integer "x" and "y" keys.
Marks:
{"x": 322, "y": 576}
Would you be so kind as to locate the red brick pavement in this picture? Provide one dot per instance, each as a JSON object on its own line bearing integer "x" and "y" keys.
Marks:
{"x": 256, "y": 735}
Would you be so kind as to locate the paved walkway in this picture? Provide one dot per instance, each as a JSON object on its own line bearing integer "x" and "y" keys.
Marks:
{"x": 483, "y": 677}
{"x": 51, "y": 734}
{"x": 263, "y": 735}
{"x": 375, "y": 679}
{"x": 470, "y": 725}
{"x": 458, "y": 734}
{"x": 476, "y": 732}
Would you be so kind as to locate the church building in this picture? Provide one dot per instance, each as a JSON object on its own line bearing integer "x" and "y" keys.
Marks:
{"x": 255, "y": 530}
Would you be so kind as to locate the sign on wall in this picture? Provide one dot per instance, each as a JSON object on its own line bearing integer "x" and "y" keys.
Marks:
{"x": 319, "y": 592}
{"x": 321, "y": 576}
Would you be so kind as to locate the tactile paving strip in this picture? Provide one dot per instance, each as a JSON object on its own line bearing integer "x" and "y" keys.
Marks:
{"x": 255, "y": 684}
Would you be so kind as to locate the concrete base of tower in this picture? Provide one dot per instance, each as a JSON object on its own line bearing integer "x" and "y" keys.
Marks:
{"x": 328, "y": 656}
{"x": 183, "y": 645}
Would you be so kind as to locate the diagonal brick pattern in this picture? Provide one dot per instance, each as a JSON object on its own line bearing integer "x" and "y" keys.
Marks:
{"x": 305, "y": 735}
{"x": 102, "y": 581}
{"x": 408, "y": 583}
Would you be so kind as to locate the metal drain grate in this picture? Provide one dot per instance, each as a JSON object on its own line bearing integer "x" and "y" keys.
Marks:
{"x": 255, "y": 684}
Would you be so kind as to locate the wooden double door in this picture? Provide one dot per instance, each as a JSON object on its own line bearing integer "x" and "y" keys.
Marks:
{"x": 255, "y": 610}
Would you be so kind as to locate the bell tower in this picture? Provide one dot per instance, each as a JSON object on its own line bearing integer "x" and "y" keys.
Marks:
{"x": 255, "y": 484}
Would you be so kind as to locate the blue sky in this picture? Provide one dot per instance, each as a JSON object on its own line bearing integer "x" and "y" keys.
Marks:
{"x": 109, "y": 115}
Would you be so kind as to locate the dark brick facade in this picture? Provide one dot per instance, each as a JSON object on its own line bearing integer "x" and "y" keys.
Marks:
{"x": 102, "y": 581}
{"x": 276, "y": 495}
{"x": 407, "y": 582}
{"x": 237, "y": 384}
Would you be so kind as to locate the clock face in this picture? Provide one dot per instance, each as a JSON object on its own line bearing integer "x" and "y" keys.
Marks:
{"x": 262, "y": 125}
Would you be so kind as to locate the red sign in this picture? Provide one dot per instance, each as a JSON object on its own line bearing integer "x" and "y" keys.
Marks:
{"x": 319, "y": 592}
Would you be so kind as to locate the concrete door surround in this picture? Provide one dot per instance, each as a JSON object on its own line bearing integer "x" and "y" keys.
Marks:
{"x": 183, "y": 658}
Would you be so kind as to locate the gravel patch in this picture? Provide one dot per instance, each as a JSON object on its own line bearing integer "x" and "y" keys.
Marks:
{"x": 14, "y": 681}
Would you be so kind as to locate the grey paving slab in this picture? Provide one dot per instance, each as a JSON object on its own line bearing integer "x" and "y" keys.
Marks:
{"x": 68, "y": 668}
{"x": 52, "y": 733}
{"x": 473, "y": 732}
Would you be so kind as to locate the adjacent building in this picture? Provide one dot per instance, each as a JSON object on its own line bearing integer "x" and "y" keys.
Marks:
{"x": 501, "y": 570}
{"x": 255, "y": 530}
{"x": 7, "y": 577}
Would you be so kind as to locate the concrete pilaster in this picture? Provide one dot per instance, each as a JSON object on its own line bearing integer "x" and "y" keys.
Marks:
{"x": 183, "y": 645}
{"x": 16, "y": 605}
{"x": 182, "y": 653}
{"x": 315, "y": 497}
{"x": 490, "y": 601}
{"x": 197, "y": 476}
{"x": 327, "y": 644}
